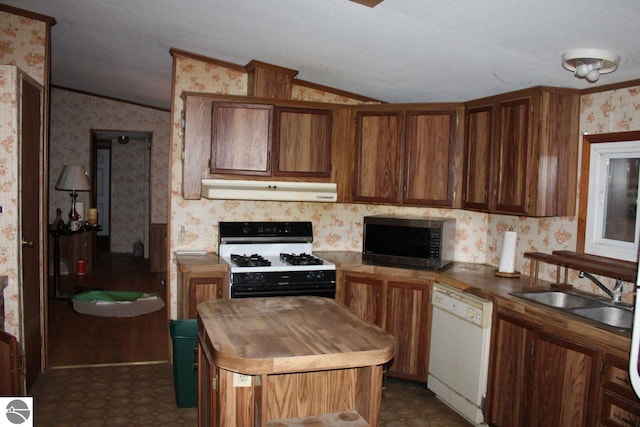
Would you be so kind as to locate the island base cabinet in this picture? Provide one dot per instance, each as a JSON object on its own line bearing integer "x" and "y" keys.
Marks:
{"x": 349, "y": 397}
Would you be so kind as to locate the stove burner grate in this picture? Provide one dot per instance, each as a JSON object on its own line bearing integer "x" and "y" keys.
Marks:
{"x": 254, "y": 260}
{"x": 301, "y": 259}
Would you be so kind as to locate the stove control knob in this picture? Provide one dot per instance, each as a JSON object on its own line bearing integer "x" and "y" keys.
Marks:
{"x": 246, "y": 229}
{"x": 287, "y": 229}
{"x": 259, "y": 278}
{"x": 320, "y": 275}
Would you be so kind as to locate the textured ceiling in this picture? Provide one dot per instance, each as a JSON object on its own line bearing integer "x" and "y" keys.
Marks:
{"x": 399, "y": 51}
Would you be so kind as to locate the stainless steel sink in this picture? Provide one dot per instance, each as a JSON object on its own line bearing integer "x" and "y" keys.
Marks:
{"x": 618, "y": 317}
{"x": 596, "y": 309}
{"x": 558, "y": 299}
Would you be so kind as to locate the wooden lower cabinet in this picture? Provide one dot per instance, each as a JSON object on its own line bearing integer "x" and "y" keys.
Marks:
{"x": 539, "y": 379}
{"x": 400, "y": 307}
{"x": 200, "y": 279}
{"x": 407, "y": 320}
{"x": 201, "y": 289}
{"x": 207, "y": 384}
{"x": 620, "y": 405}
{"x": 364, "y": 296}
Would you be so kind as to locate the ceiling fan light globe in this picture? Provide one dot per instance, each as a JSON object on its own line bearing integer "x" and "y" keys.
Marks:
{"x": 582, "y": 70}
{"x": 593, "y": 75}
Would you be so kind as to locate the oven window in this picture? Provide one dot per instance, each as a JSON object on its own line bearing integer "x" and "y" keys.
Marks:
{"x": 397, "y": 240}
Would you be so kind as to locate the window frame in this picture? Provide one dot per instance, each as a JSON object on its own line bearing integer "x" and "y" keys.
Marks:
{"x": 587, "y": 142}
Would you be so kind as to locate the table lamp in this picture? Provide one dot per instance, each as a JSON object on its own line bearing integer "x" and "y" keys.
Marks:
{"x": 73, "y": 178}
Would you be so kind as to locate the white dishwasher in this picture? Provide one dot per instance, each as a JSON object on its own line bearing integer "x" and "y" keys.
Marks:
{"x": 459, "y": 352}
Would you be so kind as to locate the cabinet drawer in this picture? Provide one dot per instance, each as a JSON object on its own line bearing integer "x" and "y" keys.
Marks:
{"x": 617, "y": 411}
{"x": 616, "y": 378}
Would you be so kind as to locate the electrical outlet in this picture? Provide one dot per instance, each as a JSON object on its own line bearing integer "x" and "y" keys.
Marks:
{"x": 240, "y": 380}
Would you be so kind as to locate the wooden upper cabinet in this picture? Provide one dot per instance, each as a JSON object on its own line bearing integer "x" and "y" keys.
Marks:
{"x": 196, "y": 147}
{"x": 302, "y": 142}
{"x": 513, "y": 156}
{"x": 521, "y": 153}
{"x": 241, "y": 139}
{"x": 429, "y": 158}
{"x": 406, "y": 157}
{"x": 379, "y": 154}
{"x": 477, "y": 158}
{"x": 269, "y": 81}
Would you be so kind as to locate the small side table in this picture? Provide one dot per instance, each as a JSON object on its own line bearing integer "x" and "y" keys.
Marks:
{"x": 72, "y": 246}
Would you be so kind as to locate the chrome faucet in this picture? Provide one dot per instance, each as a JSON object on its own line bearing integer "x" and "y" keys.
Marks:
{"x": 615, "y": 295}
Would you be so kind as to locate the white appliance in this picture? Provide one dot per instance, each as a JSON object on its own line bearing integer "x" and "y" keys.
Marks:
{"x": 459, "y": 354}
{"x": 269, "y": 190}
{"x": 268, "y": 259}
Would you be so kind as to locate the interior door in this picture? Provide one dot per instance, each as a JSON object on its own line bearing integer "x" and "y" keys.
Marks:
{"x": 31, "y": 138}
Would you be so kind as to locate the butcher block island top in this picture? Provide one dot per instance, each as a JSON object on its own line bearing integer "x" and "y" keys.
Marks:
{"x": 291, "y": 334}
{"x": 308, "y": 359}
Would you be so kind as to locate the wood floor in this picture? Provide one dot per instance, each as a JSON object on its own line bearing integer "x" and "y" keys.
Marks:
{"x": 78, "y": 339}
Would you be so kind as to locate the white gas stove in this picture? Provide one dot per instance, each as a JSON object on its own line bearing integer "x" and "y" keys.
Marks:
{"x": 274, "y": 259}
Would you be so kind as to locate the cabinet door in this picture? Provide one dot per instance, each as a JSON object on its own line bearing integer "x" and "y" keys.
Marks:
{"x": 513, "y": 156}
{"x": 477, "y": 158}
{"x": 406, "y": 320}
{"x": 429, "y": 157}
{"x": 241, "y": 139}
{"x": 207, "y": 386}
{"x": 563, "y": 390}
{"x": 364, "y": 297}
{"x": 379, "y": 154}
{"x": 203, "y": 289}
{"x": 507, "y": 393}
{"x": 302, "y": 142}
{"x": 196, "y": 150}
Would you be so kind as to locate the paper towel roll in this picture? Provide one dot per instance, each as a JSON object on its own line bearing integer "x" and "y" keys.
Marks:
{"x": 508, "y": 257}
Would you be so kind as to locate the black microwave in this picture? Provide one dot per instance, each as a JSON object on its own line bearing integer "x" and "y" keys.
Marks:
{"x": 409, "y": 241}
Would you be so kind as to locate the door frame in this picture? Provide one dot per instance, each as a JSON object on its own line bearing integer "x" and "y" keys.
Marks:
{"x": 99, "y": 138}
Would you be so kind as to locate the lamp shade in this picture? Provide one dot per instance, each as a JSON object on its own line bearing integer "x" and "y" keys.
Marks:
{"x": 73, "y": 178}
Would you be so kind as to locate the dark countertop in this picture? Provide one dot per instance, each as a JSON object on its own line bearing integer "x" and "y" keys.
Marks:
{"x": 476, "y": 279}
{"x": 480, "y": 280}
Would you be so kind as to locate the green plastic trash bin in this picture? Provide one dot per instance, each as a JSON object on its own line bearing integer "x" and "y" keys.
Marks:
{"x": 184, "y": 337}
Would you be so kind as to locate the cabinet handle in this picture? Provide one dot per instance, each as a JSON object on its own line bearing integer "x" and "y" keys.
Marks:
{"x": 624, "y": 420}
{"x": 27, "y": 243}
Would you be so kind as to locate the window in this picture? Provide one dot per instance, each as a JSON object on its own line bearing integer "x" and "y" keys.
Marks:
{"x": 612, "y": 221}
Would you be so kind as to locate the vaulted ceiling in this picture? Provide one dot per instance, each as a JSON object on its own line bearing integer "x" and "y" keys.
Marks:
{"x": 397, "y": 51}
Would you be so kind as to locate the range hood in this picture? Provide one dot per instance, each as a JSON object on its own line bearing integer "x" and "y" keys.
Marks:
{"x": 287, "y": 191}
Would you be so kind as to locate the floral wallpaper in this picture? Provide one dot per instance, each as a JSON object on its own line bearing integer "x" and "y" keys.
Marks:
{"x": 602, "y": 112}
{"x": 22, "y": 45}
{"x": 129, "y": 195}
{"x": 73, "y": 116}
{"x": 9, "y": 220}
{"x": 193, "y": 223}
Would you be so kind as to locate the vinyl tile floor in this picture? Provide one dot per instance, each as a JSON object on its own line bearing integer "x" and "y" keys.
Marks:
{"x": 143, "y": 395}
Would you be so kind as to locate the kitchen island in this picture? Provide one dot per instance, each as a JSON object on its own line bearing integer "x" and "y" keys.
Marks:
{"x": 289, "y": 361}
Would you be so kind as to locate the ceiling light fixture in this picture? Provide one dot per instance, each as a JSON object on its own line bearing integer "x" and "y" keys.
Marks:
{"x": 590, "y": 63}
